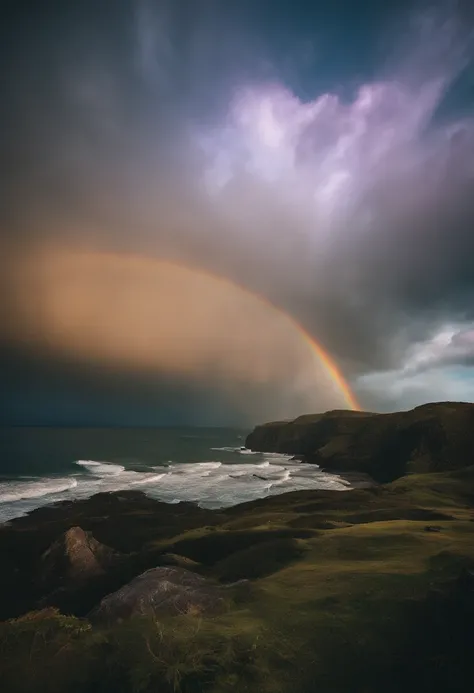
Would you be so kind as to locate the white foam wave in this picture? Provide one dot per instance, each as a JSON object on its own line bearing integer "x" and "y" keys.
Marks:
{"x": 240, "y": 450}
{"x": 101, "y": 468}
{"x": 12, "y": 491}
{"x": 209, "y": 484}
{"x": 148, "y": 479}
{"x": 245, "y": 451}
{"x": 223, "y": 485}
{"x": 227, "y": 449}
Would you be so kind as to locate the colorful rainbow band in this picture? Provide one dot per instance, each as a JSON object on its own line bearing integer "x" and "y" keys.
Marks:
{"x": 323, "y": 357}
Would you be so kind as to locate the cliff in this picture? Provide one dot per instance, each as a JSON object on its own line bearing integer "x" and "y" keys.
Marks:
{"x": 430, "y": 438}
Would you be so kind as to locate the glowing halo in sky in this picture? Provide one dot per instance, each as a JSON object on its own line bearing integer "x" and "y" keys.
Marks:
{"x": 138, "y": 313}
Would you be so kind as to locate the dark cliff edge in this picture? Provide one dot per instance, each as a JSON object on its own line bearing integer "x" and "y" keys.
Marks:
{"x": 430, "y": 438}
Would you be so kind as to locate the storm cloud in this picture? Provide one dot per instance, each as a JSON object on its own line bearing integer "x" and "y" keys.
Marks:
{"x": 342, "y": 191}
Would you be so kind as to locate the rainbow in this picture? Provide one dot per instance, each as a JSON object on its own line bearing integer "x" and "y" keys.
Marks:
{"x": 317, "y": 349}
{"x": 330, "y": 366}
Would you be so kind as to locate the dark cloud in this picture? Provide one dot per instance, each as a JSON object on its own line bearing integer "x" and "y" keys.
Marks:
{"x": 37, "y": 390}
{"x": 295, "y": 153}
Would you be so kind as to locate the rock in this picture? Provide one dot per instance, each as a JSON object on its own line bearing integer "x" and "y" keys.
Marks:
{"x": 165, "y": 590}
{"x": 74, "y": 558}
{"x": 173, "y": 559}
{"x": 76, "y": 571}
{"x": 430, "y": 438}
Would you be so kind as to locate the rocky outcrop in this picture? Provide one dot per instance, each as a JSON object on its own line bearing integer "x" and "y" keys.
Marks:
{"x": 165, "y": 590}
{"x": 430, "y": 438}
{"x": 46, "y": 562}
{"x": 76, "y": 571}
{"x": 73, "y": 558}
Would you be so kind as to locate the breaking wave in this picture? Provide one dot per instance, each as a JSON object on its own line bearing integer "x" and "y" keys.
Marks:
{"x": 12, "y": 491}
{"x": 101, "y": 468}
{"x": 209, "y": 484}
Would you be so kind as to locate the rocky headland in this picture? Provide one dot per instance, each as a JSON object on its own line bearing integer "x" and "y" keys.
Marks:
{"x": 435, "y": 437}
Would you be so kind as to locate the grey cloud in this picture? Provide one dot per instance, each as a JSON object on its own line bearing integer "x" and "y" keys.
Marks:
{"x": 394, "y": 390}
{"x": 353, "y": 214}
{"x": 451, "y": 347}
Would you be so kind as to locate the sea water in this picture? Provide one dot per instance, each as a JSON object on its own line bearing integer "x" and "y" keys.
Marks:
{"x": 210, "y": 467}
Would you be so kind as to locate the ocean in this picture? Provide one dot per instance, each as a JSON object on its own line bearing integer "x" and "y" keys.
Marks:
{"x": 207, "y": 466}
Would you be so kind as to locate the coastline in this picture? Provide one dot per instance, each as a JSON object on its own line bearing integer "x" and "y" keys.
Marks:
{"x": 303, "y": 589}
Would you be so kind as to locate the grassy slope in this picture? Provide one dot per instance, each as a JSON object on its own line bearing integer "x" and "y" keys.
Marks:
{"x": 350, "y": 593}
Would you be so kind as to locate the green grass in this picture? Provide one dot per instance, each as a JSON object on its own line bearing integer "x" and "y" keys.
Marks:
{"x": 339, "y": 602}
{"x": 46, "y": 651}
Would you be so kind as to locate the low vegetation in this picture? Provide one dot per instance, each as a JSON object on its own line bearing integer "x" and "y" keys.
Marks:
{"x": 353, "y": 592}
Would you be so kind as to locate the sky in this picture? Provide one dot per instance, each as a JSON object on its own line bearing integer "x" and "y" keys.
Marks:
{"x": 189, "y": 186}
